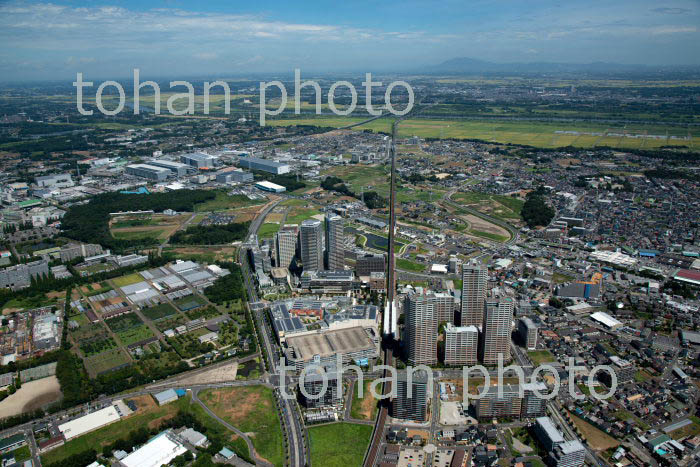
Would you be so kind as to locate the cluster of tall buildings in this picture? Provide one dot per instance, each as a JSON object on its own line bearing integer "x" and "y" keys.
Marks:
{"x": 479, "y": 329}
{"x": 309, "y": 237}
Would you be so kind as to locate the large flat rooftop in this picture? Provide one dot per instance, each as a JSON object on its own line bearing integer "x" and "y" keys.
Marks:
{"x": 329, "y": 343}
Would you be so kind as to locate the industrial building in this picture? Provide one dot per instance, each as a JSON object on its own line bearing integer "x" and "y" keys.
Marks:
{"x": 606, "y": 320}
{"x": 151, "y": 172}
{"x": 89, "y": 422}
{"x": 54, "y": 181}
{"x": 231, "y": 174}
{"x": 177, "y": 168}
{"x": 269, "y": 186}
{"x": 165, "y": 397}
{"x": 158, "y": 451}
{"x": 199, "y": 160}
{"x": 263, "y": 165}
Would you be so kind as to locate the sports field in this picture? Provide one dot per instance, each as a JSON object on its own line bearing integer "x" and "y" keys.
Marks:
{"x": 540, "y": 134}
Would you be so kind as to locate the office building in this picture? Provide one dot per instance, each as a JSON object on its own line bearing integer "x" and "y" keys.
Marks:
{"x": 496, "y": 330}
{"x": 413, "y": 406}
{"x": 313, "y": 385}
{"x": 528, "y": 333}
{"x": 474, "y": 279}
{"x": 311, "y": 239}
{"x": 461, "y": 344}
{"x": 335, "y": 245}
{"x": 199, "y": 160}
{"x": 367, "y": 264}
{"x": 286, "y": 245}
{"x": 491, "y": 405}
{"x": 177, "y": 168}
{"x": 79, "y": 250}
{"x": 151, "y": 172}
{"x": 421, "y": 329}
{"x": 263, "y": 165}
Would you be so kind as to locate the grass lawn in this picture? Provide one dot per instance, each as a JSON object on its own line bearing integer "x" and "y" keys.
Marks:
{"x": 339, "y": 444}
{"x": 539, "y": 357}
{"x": 268, "y": 230}
{"x": 625, "y": 415}
{"x": 251, "y": 409}
{"x": 408, "y": 265}
{"x": 298, "y": 215}
{"x": 489, "y": 235}
{"x": 127, "y": 280}
{"x": 559, "y": 278}
{"x": 21, "y": 454}
{"x": 366, "y": 407}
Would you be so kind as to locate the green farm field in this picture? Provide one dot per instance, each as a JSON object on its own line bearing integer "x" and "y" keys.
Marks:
{"x": 540, "y": 134}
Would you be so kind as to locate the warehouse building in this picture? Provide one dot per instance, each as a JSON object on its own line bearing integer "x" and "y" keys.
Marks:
{"x": 54, "y": 181}
{"x": 89, "y": 422}
{"x": 177, "y": 168}
{"x": 158, "y": 451}
{"x": 269, "y": 186}
{"x": 165, "y": 397}
{"x": 199, "y": 160}
{"x": 606, "y": 320}
{"x": 151, "y": 172}
{"x": 230, "y": 175}
{"x": 263, "y": 165}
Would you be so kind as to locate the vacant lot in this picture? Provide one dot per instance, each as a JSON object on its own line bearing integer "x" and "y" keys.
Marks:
{"x": 539, "y": 357}
{"x": 364, "y": 408}
{"x": 339, "y": 444}
{"x": 482, "y": 228}
{"x": 31, "y": 396}
{"x": 596, "y": 439}
{"x": 251, "y": 410}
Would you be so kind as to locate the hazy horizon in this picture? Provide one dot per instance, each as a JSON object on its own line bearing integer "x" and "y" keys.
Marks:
{"x": 55, "y": 40}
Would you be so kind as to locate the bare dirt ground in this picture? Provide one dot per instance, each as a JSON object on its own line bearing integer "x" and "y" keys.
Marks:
{"x": 480, "y": 224}
{"x": 221, "y": 374}
{"x": 31, "y": 396}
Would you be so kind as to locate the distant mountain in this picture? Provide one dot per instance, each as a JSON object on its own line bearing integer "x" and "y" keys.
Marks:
{"x": 467, "y": 65}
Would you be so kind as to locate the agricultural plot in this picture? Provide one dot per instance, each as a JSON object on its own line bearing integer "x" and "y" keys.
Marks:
{"x": 124, "y": 322}
{"x": 189, "y": 303}
{"x": 159, "y": 311}
{"x": 106, "y": 361}
{"x": 170, "y": 322}
{"x": 135, "y": 334}
{"x": 539, "y": 134}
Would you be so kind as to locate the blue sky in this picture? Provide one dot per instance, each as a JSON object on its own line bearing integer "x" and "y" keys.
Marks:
{"x": 108, "y": 38}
